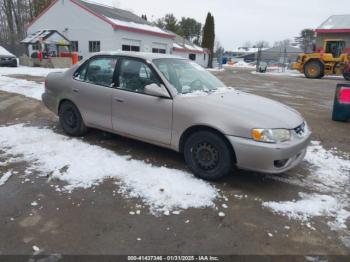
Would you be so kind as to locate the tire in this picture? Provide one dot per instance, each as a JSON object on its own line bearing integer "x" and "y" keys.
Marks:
{"x": 71, "y": 120}
{"x": 313, "y": 70}
{"x": 208, "y": 155}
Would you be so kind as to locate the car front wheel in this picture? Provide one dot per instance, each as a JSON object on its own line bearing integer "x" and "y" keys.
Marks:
{"x": 208, "y": 155}
{"x": 71, "y": 120}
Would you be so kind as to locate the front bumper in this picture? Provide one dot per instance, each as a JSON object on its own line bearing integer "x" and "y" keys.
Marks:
{"x": 11, "y": 63}
{"x": 262, "y": 157}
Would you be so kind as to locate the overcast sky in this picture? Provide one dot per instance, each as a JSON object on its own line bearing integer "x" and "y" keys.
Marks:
{"x": 238, "y": 21}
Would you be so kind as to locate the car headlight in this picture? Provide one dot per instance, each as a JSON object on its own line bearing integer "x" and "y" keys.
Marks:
{"x": 271, "y": 135}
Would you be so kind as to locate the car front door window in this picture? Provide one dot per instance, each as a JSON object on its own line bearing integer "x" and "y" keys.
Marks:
{"x": 134, "y": 75}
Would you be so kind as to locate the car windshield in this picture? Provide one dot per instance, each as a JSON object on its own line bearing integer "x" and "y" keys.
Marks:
{"x": 186, "y": 76}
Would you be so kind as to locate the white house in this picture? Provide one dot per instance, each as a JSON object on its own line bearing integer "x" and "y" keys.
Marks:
{"x": 92, "y": 27}
{"x": 185, "y": 48}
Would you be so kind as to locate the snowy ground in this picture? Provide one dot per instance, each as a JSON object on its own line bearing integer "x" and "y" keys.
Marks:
{"x": 280, "y": 72}
{"x": 161, "y": 188}
{"x": 24, "y": 87}
{"x": 329, "y": 190}
{"x": 240, "y": 64}
{"x": 324, "y": 191}
{"x": 31, "y": 71}
{"x": 289, "y": 72}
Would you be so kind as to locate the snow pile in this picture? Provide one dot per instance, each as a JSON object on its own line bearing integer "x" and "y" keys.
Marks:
{"x": 82, "y": 165}
{"x": 311, "y": 205}
{"x": 5, "y": 177}
{"x": 241, "y": 64}
{"x": 216, "y": 69}
{"x": 330, "y": 173}
{"x": 329, "y": 178}
{"x": 279, "y": 72}
{"x": 27, "y": 88}
{"x": 32, "y": 71}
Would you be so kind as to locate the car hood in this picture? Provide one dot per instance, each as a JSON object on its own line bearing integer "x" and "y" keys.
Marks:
{"x": 247, "y": 110}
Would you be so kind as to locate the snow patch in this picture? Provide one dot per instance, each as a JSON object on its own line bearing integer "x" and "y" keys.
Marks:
{"x": 329, "y": 178}
{"x": 5, "y": 177}
{"x": 82, "y": 165}
{"x": 277, "y": 72}
{"x": 309, "y": 206}
{"x": 23, "y": 87}
{"x": 241, "y": 64}
{"x": 26, "y": 70}
{"x": 216, "y": 69}
{"x": 220, "y": 90}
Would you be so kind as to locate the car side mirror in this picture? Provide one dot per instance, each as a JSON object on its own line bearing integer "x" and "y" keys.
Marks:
{"x": 156, "y": 90}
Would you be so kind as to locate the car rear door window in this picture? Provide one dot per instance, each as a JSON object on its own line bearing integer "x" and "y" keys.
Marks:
{"x": 100, "y": 71}
{"x": 134, "y": 75}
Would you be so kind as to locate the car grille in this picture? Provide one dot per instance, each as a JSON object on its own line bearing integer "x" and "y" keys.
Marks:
{"x": 7, "y": 59}
{"x": 301, "y": 130}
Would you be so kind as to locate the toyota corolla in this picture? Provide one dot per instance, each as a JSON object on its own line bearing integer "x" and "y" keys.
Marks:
{"x": 174, "y": 103}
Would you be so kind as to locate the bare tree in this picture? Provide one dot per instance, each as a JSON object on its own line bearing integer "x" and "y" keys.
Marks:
{"x": 14, "y": 15}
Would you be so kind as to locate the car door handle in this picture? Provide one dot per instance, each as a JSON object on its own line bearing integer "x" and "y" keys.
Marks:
{"x": 118, "y": 100}
{"x": 75, "y": 90}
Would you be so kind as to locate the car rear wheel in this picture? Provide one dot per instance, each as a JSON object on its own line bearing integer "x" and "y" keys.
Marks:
{"x": 313, "y": 69}
{"x": 208, "y": 155}
{"x": 71, "y": 120}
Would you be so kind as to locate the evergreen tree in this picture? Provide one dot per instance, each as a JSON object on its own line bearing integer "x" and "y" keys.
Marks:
{"x": 190, "y": 29}
{"x": 209, "y": 37}
{"x": 306, "y": 40}
{"x": 144, "y": 17}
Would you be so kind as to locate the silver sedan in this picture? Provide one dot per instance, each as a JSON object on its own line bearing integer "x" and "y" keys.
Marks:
{"x": 174, "y": 103}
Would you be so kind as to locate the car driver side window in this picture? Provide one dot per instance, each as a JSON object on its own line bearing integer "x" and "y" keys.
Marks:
{"x": 100, "y": 71}
{"x": 134, "y": 75}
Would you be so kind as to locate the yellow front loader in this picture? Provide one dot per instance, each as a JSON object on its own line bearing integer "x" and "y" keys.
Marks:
{"x": 331, "y": 61}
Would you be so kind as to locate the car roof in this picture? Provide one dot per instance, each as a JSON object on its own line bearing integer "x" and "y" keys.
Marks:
{"x": 143, "y": 55}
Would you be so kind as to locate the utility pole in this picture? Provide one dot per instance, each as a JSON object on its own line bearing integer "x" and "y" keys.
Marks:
{"x": 258, "y": 58}
{"x": 284, "y": 58}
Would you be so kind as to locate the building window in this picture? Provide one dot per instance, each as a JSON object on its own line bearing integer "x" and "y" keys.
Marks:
{"x": 205, "y": 57}
{"x": 132, "y": 48}
{"x": 74, "y": 46}
{"x": 36, "y": 47}
{"x": 94, "y": 46}
{"x": 192, "y": 57}
{"x": 158, "y": 51}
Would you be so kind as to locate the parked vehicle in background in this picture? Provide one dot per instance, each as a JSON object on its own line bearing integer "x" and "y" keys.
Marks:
{"x": 175, "y": 103}
{"x": 332, "y": 60}
{"x": 7, "y": 59}
{"x": 262, "y": 67}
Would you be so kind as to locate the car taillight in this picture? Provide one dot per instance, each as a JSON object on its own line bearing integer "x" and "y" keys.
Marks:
{"x": 341, "y": 107}
{"x": 344, "y": 96}
{"x": 45, "y": 83}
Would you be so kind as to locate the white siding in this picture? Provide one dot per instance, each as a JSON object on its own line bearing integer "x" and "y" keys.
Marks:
{"x": 201, "y": 59}
{"x": 79, "y": 25}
